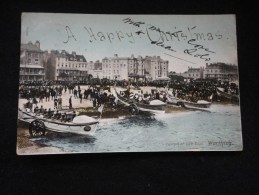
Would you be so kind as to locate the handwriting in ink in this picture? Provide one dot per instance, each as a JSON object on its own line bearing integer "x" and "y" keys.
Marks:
{"x": 130, "y": 21}
{"x": 111, "y": 36}
{"x": 69, "y": 34}
{"x": 159, "y": 42}
{"x": 198, "y": 48}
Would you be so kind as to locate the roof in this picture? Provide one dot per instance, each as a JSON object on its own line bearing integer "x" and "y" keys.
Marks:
{"x": 79, "y": 58}
{"x": 70, "y": 57}
{"x": 221, "y": 65}
{"x": 30, "y": 47}
{"x": 31, "y": 66}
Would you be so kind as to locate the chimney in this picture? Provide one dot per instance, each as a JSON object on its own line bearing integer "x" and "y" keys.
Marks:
{"x": 37, "y": 43}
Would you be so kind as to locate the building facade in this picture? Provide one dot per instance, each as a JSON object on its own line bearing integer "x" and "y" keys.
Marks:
{"x": 115, "y": 67}
{"x": 221, "y": 71}
{"x": 158, "y": 68}
{"x": 148, "y": 68}
{"x": 194, "y": 73}
{"x": 31, "y": 62}
{"x": 70, "y": 67}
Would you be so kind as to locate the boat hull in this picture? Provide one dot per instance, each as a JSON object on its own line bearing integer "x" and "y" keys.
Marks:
{"x": 141, "y": 106}
{"x": 187, "y": 104}
{"x": 196, "y": 105}
{"x": 63, "y": 127}
{"x": 228, "y": 96}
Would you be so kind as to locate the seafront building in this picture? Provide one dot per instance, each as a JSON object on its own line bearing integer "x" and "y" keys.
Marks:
{"x": 221, "y": 71}
{"x": 149, "y": 68}
{"x": 70, "y": 67}
{"x": 62, "y": 65}
{"x": 194, "y": 73}
{"x": 31, "y": 62}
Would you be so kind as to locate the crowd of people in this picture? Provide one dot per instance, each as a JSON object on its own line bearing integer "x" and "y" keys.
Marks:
{"x": 37, "y": 94}
{"x": 40, "y": 91}
{"x": 202, "y": 90}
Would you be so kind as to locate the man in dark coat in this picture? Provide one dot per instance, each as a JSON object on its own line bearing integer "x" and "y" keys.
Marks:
{"x": 70, "y": 102}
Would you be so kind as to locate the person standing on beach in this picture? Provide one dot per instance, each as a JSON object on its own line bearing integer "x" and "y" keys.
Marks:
{"x": 75, "y": 93}
{"x": 70, "y": 102}
{"x": 80, "y": 97}
{"x": 94, "y": 102}
{"x": 55, "y": 103}
{"x": 60, "y": 103}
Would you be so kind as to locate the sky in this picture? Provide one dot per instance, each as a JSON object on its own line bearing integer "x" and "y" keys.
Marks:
{"x": 184, "y": 40}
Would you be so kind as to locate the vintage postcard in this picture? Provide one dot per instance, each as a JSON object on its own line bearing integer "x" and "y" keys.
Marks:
{"x": 128, "y": 83}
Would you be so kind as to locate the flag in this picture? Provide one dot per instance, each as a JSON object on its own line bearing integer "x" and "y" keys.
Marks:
{"x": 100, "y": 109}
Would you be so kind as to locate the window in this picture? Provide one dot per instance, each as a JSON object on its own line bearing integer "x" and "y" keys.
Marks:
{"x": 29, "y": 61}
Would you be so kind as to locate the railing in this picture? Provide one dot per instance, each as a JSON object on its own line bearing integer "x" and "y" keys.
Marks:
{"x": 32, "y": 73}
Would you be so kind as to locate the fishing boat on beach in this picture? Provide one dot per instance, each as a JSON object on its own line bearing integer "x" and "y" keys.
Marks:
{"x": 153, "y": 106}
{"x": 188, "y": 104}
{"x": 38, "y": 125}
{"x": 229, "y": 96}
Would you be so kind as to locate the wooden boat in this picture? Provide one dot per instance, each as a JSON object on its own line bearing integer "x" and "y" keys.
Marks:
{"x": 188, "y": 104}
{"x": 232, "y": 97}
{"x": 173, "y": 100}
{"x": 83, "y": 125}
{"x": 198, "y": 104}
{"x": 154, "y": 106}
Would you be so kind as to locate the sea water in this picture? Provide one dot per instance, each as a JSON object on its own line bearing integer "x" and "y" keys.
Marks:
{"x": 217, "y": 130}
